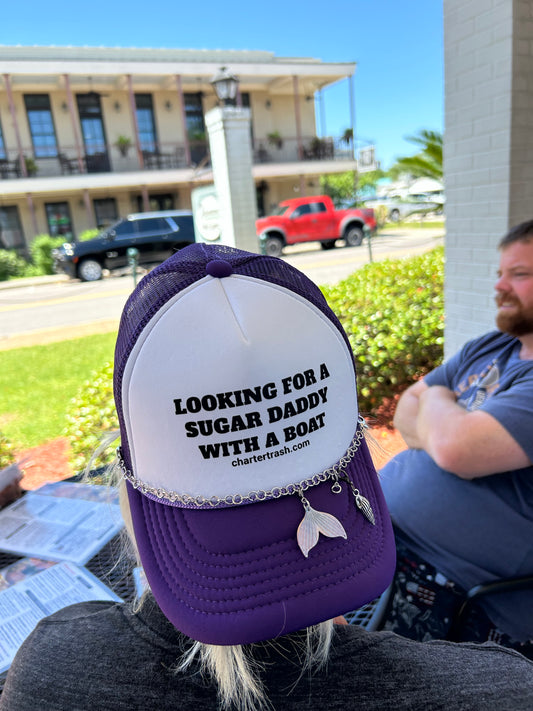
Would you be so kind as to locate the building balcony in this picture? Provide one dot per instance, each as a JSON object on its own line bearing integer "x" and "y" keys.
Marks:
{"x": 193, "y": 156}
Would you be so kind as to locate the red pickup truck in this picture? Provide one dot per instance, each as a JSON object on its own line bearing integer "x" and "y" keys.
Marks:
{"x": 313, "y": 219}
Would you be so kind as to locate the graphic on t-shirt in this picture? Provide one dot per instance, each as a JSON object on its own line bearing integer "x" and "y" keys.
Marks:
{"x": 477, "y": 388}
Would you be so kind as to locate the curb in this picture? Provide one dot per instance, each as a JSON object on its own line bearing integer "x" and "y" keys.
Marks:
{"x": 33, "y": 281}
{"x": 58, "y": 333}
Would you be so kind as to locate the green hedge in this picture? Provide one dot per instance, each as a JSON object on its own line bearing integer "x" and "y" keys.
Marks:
{"x": 91, "y": 416}
{"x": 393, "y": 312}
{"x": 11, "y": 265}
{"x": 41, "y": 253}
{"x": 7, "y": 455}
{"x": 88, "y": 234}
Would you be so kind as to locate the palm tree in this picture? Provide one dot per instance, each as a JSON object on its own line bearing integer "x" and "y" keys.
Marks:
{"x": 425, "y": 164}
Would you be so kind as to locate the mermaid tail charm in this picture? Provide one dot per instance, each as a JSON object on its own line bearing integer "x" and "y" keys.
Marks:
{"x": 315, "y": 522}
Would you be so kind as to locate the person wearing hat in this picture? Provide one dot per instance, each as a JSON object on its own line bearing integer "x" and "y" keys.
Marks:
{"x": 257, "y": 515}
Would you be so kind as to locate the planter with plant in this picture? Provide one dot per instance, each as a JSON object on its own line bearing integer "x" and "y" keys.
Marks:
{"x": 123, "y": 143}
{"x": 347, "y": 136}
{"x": 197, "y": 136}
{"x": 317, "y": 147}
{"x": 31, "y": 166}
{"x": 274, "y": 139}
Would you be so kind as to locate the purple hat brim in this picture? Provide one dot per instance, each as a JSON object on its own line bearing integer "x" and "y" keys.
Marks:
{"x": 236, "y": 575}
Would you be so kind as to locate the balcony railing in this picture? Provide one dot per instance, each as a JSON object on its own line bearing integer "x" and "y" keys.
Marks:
{"x": 167, "y": 156}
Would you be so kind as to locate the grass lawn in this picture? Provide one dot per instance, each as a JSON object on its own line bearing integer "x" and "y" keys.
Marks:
{"x": 413, "y": 224}
{"x": 36, "y": 384}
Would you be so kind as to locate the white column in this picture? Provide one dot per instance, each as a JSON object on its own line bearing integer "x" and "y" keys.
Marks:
{"x": 231, "y": 157}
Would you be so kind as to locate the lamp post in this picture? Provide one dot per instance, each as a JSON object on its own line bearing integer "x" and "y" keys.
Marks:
{"x": 225, "y": 86}
{"x": 228, "y": 128}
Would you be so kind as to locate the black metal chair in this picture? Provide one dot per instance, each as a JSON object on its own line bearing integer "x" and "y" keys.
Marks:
{"x": 373, "y": 615}
{"x": 68, "y": 165}
{"x": 10, "y": 168}
{"x": 495, "y": 587}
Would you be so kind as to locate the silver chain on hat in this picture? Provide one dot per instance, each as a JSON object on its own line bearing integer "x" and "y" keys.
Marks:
{"x": 334, "y": 472}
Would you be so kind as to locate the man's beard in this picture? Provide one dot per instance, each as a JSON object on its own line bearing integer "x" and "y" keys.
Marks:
{"x": 518, "y": 322}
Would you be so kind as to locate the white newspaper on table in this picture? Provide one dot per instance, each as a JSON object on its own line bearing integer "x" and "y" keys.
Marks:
{"x": 24, "y": 604}
{"x": 58, "y": 527}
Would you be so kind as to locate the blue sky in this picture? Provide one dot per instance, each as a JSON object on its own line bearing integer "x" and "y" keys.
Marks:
{"x": 397, "y": 45}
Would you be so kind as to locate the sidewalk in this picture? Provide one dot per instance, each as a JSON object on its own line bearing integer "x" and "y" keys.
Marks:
{"x": 57, "y": 333}
{"x": 33, "y": 281}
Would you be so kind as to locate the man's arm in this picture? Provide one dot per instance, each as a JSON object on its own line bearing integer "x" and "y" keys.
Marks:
{"x": 468, "y": 444}
{"x": 405, "y": 417}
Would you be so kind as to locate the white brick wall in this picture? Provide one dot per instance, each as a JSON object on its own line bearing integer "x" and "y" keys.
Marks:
{"x": 488, "y": 150}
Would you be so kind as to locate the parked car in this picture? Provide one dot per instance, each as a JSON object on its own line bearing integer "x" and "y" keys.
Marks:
{"x": 313, "y": 219}
{"x": 399, "y": 208}
{"x": 155, "y": 235}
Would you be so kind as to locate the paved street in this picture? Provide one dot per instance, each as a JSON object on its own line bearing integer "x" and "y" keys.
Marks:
{"x": 329, "y": 267}
{"x": 43, "y": 312}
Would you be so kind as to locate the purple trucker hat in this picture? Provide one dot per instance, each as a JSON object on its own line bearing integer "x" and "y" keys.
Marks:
{"x": 256, "y": 508}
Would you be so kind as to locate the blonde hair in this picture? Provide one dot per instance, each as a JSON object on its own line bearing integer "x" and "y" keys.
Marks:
{"x": 237, "y": 675}
{"x": 232, "y": 669}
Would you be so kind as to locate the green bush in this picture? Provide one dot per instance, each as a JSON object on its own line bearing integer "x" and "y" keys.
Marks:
{"x": 7, "y": 455}
{"x": 381, "y": 212}
{"x": 393, "y": 313}
{"x": 31, "y": 271}
{"x": 11, "y": 265}
{"x": 88, "y": 234}
{"x": 41, "y": 253}
{"x": 91, "y": 415}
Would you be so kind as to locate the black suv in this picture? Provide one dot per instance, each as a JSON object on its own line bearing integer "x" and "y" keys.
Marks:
{"x": 156, "y": 235}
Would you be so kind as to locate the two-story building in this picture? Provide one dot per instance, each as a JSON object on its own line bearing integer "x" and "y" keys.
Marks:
{"x": 90, "y": 134}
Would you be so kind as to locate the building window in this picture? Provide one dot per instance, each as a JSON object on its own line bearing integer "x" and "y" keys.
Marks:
{"x": 11, "y": 236}
{"x": 93, "y": 132}
{"x": 59, "y": 220}
{"x": 246, "y": 104}
{"x": 3, "y": 153}
{"x": 194, "y": 116}
{"x": 164, "y": 201}
{"x": 105, "y": 210}
{"x": 42, "y": 129}
{"x": 145, "y": 121}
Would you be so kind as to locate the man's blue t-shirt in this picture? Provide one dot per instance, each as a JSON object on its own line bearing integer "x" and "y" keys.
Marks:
{"x": 474, "y": 531}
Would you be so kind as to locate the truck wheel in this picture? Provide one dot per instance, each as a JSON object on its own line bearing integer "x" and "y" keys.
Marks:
{"x": 394, "y": 215}
{"x": 329, "y": 244}
{"x": 353, "y": 236}
{"x": 90, "y": 270}
{"x": 273, "y": 246}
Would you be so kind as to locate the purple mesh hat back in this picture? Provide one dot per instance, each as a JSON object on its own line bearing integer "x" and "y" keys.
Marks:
{"x": 236, "y": 574}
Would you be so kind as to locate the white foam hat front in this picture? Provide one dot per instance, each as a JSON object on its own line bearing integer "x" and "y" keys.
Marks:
{"x": 235, "y": 386}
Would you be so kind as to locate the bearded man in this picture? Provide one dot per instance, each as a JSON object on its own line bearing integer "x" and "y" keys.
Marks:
{"x": 461, "y": 496}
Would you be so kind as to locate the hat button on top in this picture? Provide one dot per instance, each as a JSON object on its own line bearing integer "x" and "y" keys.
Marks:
{"x": 218, "y": 268}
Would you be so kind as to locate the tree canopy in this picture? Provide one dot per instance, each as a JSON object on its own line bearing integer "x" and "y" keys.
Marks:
{"x": 427, "y": 163}
{"x": 342, "y": 187}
